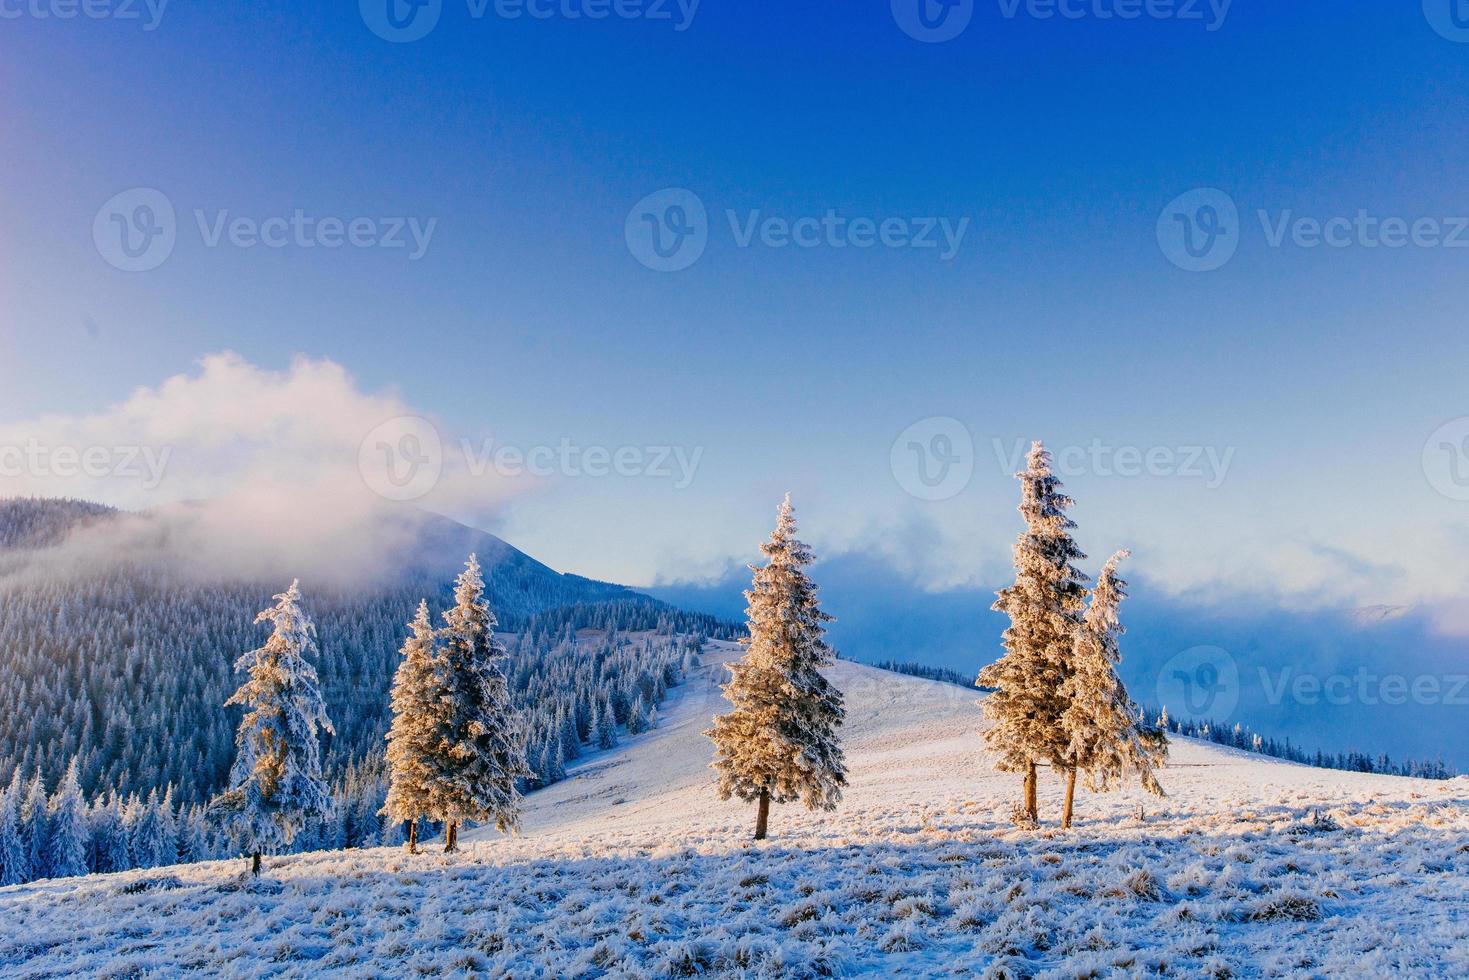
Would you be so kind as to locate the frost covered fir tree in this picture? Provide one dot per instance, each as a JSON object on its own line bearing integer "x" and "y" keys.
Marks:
{"x": 480, "y": 743}
{"x": 149, "y": 840}
{"x": 35, "y": 829}
{"x": 606, "y": 726}
{"x": 276, "y": 787}
{"x": 637, "y": 722}
{"x": 413, "y": 734}
{"x": 15, "y": 864}
{"x": 1044, "y": 606}
{"x": 1109, "y": 738}
{"x": 109, "y": 836}
{"x": 780, "y": 742}
{"x": 70, "y": 835}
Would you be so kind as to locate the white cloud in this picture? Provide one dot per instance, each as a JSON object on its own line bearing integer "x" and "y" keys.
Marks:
{"x": 253, "y": 467}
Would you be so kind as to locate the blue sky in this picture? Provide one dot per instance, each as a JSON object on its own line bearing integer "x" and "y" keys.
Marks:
{"x": 529, "y": 320}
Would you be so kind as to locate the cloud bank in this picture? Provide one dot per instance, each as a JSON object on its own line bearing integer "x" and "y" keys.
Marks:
{"x": 257, "y": 471}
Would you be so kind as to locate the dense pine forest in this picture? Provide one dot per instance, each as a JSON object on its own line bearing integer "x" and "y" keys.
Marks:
{"x": 125, "y": 667}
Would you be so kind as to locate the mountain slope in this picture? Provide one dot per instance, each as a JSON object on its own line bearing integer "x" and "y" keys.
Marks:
{"x": 123, "y": 656}
{"x": 632, "y": 868}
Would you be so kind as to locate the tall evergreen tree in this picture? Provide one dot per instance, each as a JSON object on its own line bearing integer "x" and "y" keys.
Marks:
{"x": 780, "y": 743}
{"x": 131, "y": 814}
{"x": 606, "y": 726}
{"x": 35, "y": 828}
{"x": 637, "y": 722}
{"x": 149, "y": 841}
{"x": 276, "y": 786}
{"x": 15, "y": 864}
{"x": 70, "y": 834}
{"x": 481, "y": 746}
{"x": 1044, "y": 606}
{"x": 412, "y": 738}
{"x": 1109, "y": 736}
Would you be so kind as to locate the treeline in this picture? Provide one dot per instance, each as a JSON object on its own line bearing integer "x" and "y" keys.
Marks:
{"x": 613, "y": 682}
{"x": 1236, "y": 736}
{"x": 927, "y": 672}
{"x": 124, "y": 668}
{"x": 576, "y": 694}
{"x": 1239, "y": 736}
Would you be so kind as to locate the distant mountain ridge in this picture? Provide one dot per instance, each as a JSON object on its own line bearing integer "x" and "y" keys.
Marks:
{"x": 435, "y": 549}
{"x": 28, "y": 523}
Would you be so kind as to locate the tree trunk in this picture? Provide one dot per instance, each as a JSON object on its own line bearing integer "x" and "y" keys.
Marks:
{"x": 255, "y": 863}
{"x": 1032, "y": 806}
{"x": 762, "y": 814}
{"x": 412, "y": 837}
{"x": 451, "y": 838}
{"x": 1070, "y": 798}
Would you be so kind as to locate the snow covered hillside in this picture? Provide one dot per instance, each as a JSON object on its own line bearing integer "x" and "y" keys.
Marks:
{"x": 633, "y": 867}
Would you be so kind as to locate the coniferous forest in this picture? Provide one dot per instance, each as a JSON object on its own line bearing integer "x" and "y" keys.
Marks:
{"x": 113, "y": 682}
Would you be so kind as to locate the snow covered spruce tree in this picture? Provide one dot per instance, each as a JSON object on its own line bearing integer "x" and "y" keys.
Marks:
{"x": 15, "y": 864}
{"x": 276, "y": 787}
{"x": 1108, "y": 736}
{"x": 480, "y": 746}
{"x": 35, "y": 828}
{"x": 413, "y": 734}
{"x": 780, "y": 742}
{"x": 1044, "y": 606}
{"x": 70, "y": 833}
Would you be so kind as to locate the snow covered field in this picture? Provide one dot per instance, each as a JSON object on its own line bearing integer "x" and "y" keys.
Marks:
{"x": 1251, "y": 867}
